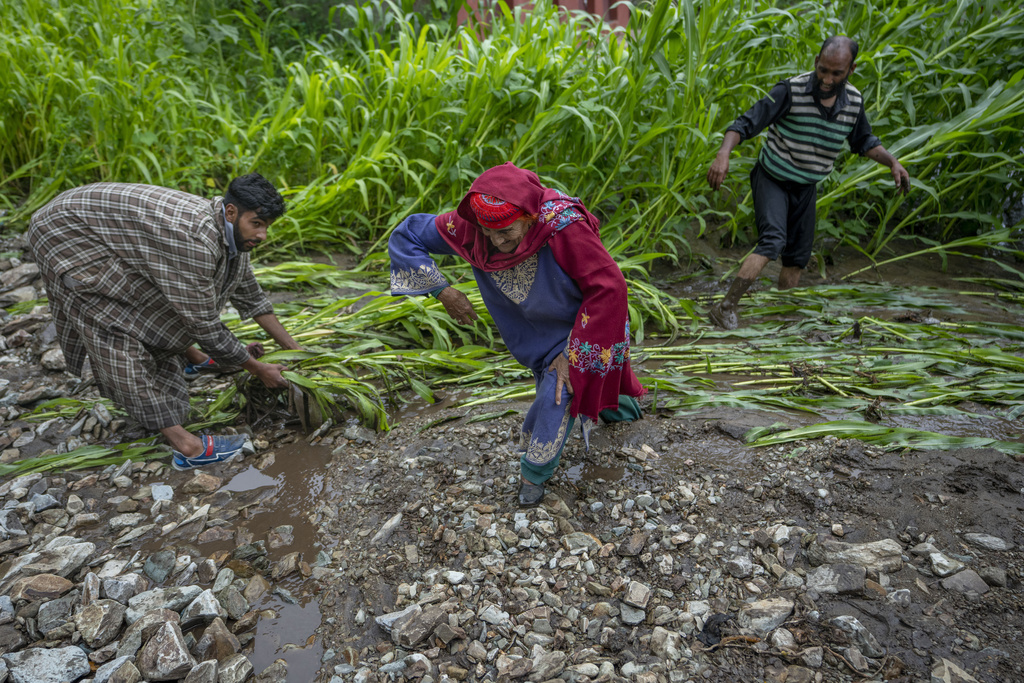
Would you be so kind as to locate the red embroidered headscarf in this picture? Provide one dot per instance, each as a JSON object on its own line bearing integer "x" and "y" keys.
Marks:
{"x": 516, "y": 186}
{"x": 493, "y": 213}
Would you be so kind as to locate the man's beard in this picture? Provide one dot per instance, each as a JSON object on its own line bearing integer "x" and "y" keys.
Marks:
{"x": 239, "y": 242}
{"x": 826, "y": 94}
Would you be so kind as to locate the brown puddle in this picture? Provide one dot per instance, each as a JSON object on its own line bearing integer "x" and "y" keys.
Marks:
{"x": 297, "y": 479}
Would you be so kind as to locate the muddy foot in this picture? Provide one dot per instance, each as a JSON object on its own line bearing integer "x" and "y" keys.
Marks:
{"x": 726, "y": 318}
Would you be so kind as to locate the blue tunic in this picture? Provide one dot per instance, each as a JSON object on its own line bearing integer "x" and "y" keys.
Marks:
{"x": 534, "y": 304}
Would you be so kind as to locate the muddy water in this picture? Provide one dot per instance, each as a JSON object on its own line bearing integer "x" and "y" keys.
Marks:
{"x": 296, "y": 482}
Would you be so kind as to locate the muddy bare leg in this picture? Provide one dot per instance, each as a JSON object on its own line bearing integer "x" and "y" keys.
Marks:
{"x": 789, "y": 277}
{"x": 725, "y": 314}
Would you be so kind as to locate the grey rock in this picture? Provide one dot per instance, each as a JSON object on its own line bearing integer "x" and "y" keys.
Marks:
{"x": 943, "y": 565}
{"x": 416, "y": 629}
{"x": 174, "y": 599}
{"x": 123, "y": 588}
{"x": 275, "y": 673}
{"x": 159, "y": 565}
{"x": 859, "y": 635}
{"x": 53, "y": 359}
{"x": 19, "y": 275}
{"x": 206, "y": 571}
{"x": 765, "y": 615}
{"x": 494, "y": 616}
{"x": 923, "y": 549}
{"x": 143, "y": 629}
{"x": 55, "y": 558}
{"x": 548, "y": 666}
{"x": 217, "y": 643}
{"x": 477, "y": 651}
{"x": 100, "y": 622}
{"x": 533, "y": 638}
{"x": 790, "y": 580}
{"x": 10, "y": 524}
{"x": 993, "y": 576}
{"x": 949, "y": 672}
{"x": 632, "y": 546}
{"x": 454, "y": 578}
{"x": 18, "y": 296}
{"x": 119, "y": 670}
{"x": 165, "y": 657}
{"x": 43, "y": 501}
{"x": 856, "y": 658}
{"x": 234, "y": 669}
{"x": 11, "y": 638}
{"x": 40, "y": 665}
{"x": 233, "y": 602}
{"x": 161, "y": 492}
{"x": 965, "y": 582}
{"x": 387, "y": 530}
{"x": 588, "y": 669}
{"x": 224, "y": 578}
{"x": 204, "y": 609}
{"x": 418, "y": 666}
{"x": 203, "y": 672}
{"x": 39, "y": 587}
{"x": 127, "y": 520}
{"x": 637, "y": 595}
{"x": 880, "y": 556}
{"x": 987, "y": 542}
{"x": 837, "y": 579}
{"x": 390, "y": 620}
{"x": 740, "y": 566}
{"x": 580, "y": 541}
{"x": 667, "y": 644}
{"x": 900, "y": 597}
{"x": 783, "y": 639}
{"x": 55, "y": 613}
{"x": 813, "y": 657}
{"x": 90, "y": 589}
{"x": 631, "y": 615}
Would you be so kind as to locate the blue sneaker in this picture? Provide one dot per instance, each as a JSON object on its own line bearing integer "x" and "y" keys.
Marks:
{"x": 215, "y": 449}
{"x": 194, "y": 370}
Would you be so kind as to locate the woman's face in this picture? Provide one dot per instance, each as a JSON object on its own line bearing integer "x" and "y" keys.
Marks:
{"x": 507, "y": 239}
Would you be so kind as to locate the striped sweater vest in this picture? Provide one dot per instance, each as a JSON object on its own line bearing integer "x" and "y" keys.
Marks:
{"x": 802, "y": 146}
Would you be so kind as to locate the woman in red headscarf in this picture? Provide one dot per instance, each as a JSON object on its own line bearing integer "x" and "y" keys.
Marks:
{"x": 555, "y": 293}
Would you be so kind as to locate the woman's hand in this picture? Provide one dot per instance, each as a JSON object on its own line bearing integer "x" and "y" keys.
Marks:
{"x": 561, "y": 367}
{"x": 458, "y": 306}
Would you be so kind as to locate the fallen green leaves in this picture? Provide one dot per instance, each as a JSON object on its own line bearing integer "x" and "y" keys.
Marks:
{"x": 85, "y": 456}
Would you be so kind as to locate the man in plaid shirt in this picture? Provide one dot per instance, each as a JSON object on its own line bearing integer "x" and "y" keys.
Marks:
{"x": 138, "y": 274}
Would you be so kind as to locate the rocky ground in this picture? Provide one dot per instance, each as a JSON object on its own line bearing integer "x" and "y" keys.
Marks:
{"x": 668, "y": 553}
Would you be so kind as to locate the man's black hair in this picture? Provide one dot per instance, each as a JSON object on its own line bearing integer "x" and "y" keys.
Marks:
{"x": 253, "y": 192}
{"x": 838, "y": 43}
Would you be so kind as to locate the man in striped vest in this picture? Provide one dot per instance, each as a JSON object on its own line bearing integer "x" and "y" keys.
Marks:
{"x": 808, "y": 117}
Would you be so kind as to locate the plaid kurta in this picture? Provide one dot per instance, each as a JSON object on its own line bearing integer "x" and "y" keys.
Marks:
{"x": 135, "y": 275}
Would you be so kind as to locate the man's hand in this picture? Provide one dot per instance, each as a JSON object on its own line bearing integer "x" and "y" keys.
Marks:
{"x": 255, "y": 350}
{"x": 719, "y": 169}
{"x": 720, "y": 166}
{"x": 561, "y": 367}
{"x": 458, "y": 306}
{"x": 901, "y": 177}
{"x": 268, "y": 373}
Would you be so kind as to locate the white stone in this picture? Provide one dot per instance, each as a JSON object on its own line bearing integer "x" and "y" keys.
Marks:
{"x": 41, "y": 665}
{"x": 987, "y": 542}
{"x": 765, "y": 615}
{"x": 943, "y": 565}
